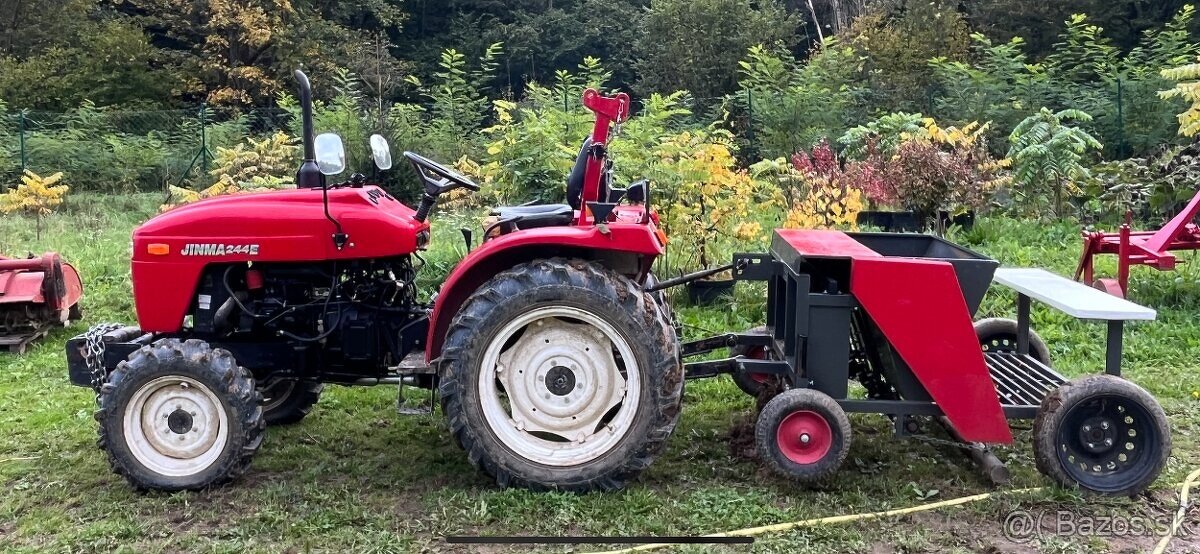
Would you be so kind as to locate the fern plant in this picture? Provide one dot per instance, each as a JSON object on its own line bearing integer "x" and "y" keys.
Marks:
{"x": 1048, "y": 154}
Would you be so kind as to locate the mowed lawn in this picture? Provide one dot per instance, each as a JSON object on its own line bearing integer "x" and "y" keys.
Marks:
{"x": 354, "y": 476}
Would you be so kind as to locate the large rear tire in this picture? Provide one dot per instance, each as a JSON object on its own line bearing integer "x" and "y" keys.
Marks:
{"x": 180, "y": 415}
{"x": 561, "y": 374}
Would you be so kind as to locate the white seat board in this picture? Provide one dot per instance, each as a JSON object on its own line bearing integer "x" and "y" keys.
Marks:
{"x": 1074, "y": 299}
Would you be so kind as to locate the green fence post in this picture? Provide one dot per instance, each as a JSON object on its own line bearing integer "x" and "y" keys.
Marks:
{"x": 750, "y": 119}
{"x": 203, "y": 139}
{"x": 21, "y": 118}
{"x": 1122, "y": 147}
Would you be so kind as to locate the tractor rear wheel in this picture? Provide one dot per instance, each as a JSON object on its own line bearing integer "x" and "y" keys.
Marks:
{"x": 999, "y": 334}
{"x": 561, "y": 374}
{"x": 1103, "y": 434}
{"x": 803, "y": 434}
{"x": 287, "y": 401}
{"x": 180, "y": 415}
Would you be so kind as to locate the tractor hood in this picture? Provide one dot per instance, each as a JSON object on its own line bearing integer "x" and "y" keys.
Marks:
{"x": 288, "y": 225}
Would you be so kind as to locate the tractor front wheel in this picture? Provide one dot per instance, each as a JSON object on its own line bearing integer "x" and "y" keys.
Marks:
{"x": 1103, "y": 434}
{"x": 561, "y": 374}
{"x": 180, "y": 415}
{"x": 803, "y": 434}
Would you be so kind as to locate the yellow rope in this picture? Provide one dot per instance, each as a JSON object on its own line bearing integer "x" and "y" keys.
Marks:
{"x": 779, "y": 527}
{"x": 1183, "y": 508}
{"x": 832, "y": 519}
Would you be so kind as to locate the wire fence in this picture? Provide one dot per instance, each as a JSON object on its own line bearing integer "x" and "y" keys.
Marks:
{"x": 126, "y": 150}
{"x": 145, "y": 150}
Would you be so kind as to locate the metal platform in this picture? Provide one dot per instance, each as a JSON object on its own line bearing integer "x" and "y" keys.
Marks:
{"x": 1021, "y": 380}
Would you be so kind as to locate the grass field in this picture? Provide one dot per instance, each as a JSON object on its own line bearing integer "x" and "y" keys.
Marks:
{"x": 356, "y": 477}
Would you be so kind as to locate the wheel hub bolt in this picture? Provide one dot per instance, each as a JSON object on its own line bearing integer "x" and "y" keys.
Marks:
{"x": 804, "y": 438}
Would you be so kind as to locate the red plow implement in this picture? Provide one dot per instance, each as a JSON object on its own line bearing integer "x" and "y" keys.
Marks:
{"x": 1149, "y": 248}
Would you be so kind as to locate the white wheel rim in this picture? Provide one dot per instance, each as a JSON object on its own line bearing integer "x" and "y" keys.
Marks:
{"x": 561, "y": 384}
{"x": 175, "y": 426}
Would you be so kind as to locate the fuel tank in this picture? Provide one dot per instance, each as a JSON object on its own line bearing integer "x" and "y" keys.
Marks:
{"x": 171, "y": 250}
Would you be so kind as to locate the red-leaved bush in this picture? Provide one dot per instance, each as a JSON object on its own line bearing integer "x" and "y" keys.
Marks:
{"x": 867, "y": 176}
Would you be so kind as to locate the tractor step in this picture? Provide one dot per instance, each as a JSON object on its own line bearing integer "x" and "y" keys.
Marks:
{"x": 413, "y": 364}
{"x": 1020, "y": 379}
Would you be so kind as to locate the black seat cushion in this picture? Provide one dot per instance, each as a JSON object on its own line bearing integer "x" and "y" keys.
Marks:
{"x": 543, "y": 215}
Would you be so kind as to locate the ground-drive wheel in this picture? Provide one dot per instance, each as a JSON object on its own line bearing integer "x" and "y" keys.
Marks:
{"x": 752, "y": 383}
{"x": 179, "y": 415}
{"x": 561, "y": 374}
{"x": 288, "y": 400}
{"x": 803, "y": 434}
{"x": 999, "y": 334}
{"x": 1103, "y": 434}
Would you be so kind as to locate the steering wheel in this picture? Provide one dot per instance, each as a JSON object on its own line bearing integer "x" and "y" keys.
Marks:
{"x": 438, "y": 178}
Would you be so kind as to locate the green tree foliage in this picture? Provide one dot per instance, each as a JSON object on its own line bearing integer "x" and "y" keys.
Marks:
{"x": 1049, "y": 155}
{"x": 896, "y": 39}
{"x": 695, "y": 45}
{"x": 790, "y": 104}
{"x": 108, "y": 62}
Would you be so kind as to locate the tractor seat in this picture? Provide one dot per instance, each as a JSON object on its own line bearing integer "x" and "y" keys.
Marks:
{"x": 542, "y": 215}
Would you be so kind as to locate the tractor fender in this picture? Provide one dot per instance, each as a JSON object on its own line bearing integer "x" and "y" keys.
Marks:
{"x": 628, "y": 248}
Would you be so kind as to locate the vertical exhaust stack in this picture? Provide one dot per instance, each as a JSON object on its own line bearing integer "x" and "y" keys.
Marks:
{"x": 309, "y": 175}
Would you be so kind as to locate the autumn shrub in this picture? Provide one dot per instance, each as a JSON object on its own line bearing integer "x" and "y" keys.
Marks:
{"x": 707, "y": 204}
{"x": 829, "y": 194}
{"x": 253, "y": 166}
{"x": 36, "y": 196}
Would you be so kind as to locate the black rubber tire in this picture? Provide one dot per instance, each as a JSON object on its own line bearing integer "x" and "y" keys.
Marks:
{"x": 787, "y": 403}
{"x": 297, "y": 403}
{"x": 1049, "y": 434}
{"x": 742, "y": 379}
{"x": 999, "y": 334}
{"x": 213, "y": 367}
{"x": 603, "y": 292}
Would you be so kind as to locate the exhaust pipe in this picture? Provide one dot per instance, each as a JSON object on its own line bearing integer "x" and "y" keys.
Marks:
{"x": 309, "y": 175}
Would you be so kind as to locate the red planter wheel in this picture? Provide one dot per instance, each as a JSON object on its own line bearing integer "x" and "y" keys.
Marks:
{"x": 803, "y": 434}
{"x": 804, "y": 437}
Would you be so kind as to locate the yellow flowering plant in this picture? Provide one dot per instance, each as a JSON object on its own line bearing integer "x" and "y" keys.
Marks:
{"x": 708, "y": 203}
{"x": 36, "y": 195}
{"x": 253, "y": 166}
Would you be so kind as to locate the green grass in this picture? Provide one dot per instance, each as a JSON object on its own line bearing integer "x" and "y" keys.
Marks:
{"x": 354, "y": 476}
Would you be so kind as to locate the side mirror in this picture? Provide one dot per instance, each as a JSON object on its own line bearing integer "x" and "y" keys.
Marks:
{"x": 331, "y": 154}
{"x": 381, "y": 152}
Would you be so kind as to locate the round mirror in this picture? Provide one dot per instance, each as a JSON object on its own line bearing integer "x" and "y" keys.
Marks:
{"x": 331, "y": 155}
{"x": 381, "y": 152}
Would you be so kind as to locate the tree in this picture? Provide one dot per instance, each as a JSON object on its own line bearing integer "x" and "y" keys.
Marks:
{"x": 792, "y": 105}
{"x": 1048, "y": 152}
{"x": 36, "y": 195}
{"x": 897, "y": 39}
{"x": 695, "y": 45}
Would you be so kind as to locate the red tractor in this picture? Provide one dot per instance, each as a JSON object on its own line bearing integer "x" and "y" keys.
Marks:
{"x": 554, "y": 368}
{"x": 555, "y": 358}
